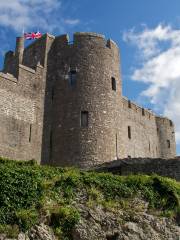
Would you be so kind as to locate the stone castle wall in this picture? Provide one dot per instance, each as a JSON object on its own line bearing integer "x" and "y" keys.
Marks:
{"x": 41, "y": 109}
{"x": 163, "y": 167}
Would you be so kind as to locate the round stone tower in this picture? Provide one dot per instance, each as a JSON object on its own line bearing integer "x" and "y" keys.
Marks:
{"x": 166, "y": 134}
{"x": 85, "y": 91}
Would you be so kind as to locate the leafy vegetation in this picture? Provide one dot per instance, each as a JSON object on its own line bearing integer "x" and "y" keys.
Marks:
{"x": 28, "y": 191}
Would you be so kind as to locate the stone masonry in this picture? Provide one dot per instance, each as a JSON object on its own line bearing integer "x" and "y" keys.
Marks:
{"x": 61, "y": 103}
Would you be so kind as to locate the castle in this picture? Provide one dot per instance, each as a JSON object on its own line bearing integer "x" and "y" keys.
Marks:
{"x": 61, "y": 103}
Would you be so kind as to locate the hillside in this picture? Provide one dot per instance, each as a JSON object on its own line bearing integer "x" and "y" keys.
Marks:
{"x": 40, "y": 202}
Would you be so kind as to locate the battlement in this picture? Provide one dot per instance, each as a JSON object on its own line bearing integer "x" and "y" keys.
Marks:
{"x": 86, "y": 38}
{"x": 132, "y": 106}
{"x": 165, "y": 121}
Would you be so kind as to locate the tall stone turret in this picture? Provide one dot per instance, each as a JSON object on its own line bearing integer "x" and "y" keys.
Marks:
{"x": 19, "y": 49}
{"x": 166, "y": 134}
{"x": 84, "y": 78}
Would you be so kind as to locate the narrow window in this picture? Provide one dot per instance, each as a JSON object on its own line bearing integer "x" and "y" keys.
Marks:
{"x": 129, "y": 132}
{"x": 129, "y": 104}
{"x": 171, "y": 123}
{"x": 72, "y": 78}
{"x": 116, "y": 146}
{"x": 113, "y": 80}
{"x": 84, "y": 118}
{"x": 30, "y": 132}
{"x": 168, "y": 144}
{"x": 149, "y": 146}
{"x": 143, "y": 112}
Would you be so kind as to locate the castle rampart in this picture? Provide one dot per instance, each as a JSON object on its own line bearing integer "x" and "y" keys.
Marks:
{"x": 62, "y": 104}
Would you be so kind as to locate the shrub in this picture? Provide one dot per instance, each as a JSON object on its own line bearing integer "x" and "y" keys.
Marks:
{"x": 64, "y": 220}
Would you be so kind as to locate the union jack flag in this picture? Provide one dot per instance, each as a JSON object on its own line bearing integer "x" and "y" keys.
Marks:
{"x": 32, "y": 35}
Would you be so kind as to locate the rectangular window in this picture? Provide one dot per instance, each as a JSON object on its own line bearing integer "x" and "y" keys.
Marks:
{"x": 143, "y": 112}
{"x": 129, "y": 132}
{"x": 30, "y": 132}
{"x": 168, "y": 144}
{"x": 129, "y": 104}
{"x": 171, "y": 123}
{"x": 72, "y": 78}
{"x": 149, "y": 146}
{"x": 113, "y": 80}
{"x": 84, "y": 118}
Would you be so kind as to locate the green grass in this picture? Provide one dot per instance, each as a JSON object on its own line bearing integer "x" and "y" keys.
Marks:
{"x": 28, "y": 191}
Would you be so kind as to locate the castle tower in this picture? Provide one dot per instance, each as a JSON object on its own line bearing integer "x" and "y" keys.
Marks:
{"x": 62, "y": 104}
{"x": 84, "y": 89}
{"x": 166, "y": 134}
{"x": 19, "y": 49}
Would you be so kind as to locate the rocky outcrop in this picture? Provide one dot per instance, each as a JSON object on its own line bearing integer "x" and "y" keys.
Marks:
{"x": 120, "y": 225}
{"x": 98, "y": 223}
{"x": 38, "y": 232}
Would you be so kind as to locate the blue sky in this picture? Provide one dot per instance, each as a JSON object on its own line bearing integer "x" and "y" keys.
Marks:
{"x": 147, "y": 32}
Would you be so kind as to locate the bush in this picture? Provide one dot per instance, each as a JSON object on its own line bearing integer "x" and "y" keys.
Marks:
{"x": 26, "y": 218}
{"x": 64, "y": 220}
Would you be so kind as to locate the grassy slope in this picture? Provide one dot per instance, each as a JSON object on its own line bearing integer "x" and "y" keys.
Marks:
{"x": 28, "y": 192}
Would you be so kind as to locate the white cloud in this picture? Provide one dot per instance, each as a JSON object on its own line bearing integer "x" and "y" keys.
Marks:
{"x": 46, "y": 15}
{"x": 159, "y": 51}
{"x": 71, "y": 21}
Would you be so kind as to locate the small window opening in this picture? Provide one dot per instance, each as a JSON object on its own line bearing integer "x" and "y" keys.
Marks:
{"x": 116, "y": 146}
{"x": 171, "y": 123}
{"x": 84, "y": 118}
{"x": 168, "y": 144}
{"x": 72, "y": 78}
{"x": 129, "y": 156}
{"x": 129, "y": 104}
{"x": 30, "y": 132}
{"x": 113, "y": 80}
{"x": 143, "y": 112}
{"x": 149, "y": 146}
{"x": 129, "y": 132}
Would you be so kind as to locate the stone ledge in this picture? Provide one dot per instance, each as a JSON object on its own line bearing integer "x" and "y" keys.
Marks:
{"x": 8, "y": 76}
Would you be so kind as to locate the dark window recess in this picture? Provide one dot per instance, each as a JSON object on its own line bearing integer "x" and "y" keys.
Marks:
{"x": 116, "y": 145}
{"x": 84, "y": 118}
{"x": 129, "y": 156}
{"x": 113, "y": 80}
{"x": 149, "y": 146}
{"x": 168, "y": 144}
{"x": 129, "y": 132}
{"x": 129, "y": 104}
{"x": 115, "y": 236}
{"x": 171, "y": 123}
{"x": 72, "y": 78}
{"x": 30, "y": 132}
{"x": 143, "y": 112}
